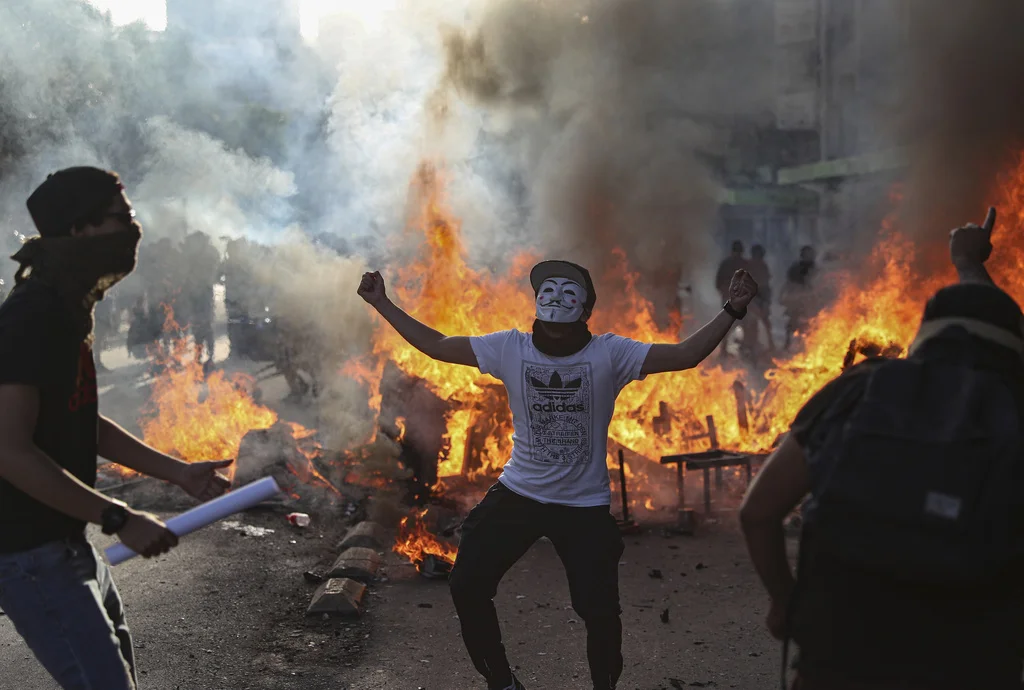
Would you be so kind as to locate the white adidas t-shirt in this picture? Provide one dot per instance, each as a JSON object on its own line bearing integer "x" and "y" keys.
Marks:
{"x": 561, "y": 409}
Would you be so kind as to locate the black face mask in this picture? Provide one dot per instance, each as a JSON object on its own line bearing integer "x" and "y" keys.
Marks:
{"x": 80, "y": 268}
{"x": 576, "y": 338}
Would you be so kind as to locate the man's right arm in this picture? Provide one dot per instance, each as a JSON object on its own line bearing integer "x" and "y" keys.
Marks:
{"x": 973, "y": 273}
{"x": 434, "y": 344}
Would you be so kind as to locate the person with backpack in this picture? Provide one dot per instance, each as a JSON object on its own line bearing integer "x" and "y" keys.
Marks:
{"x": 910, "y": 573}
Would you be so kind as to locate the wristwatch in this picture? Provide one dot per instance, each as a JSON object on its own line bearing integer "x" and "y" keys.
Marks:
{"x": 733, "y": 311}
{"x": 113, "y": 518}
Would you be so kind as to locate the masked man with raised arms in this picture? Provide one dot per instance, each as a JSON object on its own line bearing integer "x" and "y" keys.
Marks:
{"x": 562, "y": 383}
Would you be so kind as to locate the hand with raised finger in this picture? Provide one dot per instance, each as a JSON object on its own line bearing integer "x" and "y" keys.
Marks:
{"x": 971, "y": 245}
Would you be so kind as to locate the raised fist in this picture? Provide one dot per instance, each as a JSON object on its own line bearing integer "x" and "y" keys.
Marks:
{"x": 742, "y": 289}
{"x": 371, "y": 288}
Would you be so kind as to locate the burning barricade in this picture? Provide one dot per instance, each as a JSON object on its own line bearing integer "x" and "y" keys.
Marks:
{"x": 447, "y": 429}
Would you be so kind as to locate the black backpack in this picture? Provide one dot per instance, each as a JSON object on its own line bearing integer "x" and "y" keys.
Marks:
{"x": 920, "y": 473}
{"x": 917, "y": 476}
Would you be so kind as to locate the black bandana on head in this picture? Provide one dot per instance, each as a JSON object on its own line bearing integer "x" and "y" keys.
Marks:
{"x": 80, "y": 268}
{"x": 576, "y": 338}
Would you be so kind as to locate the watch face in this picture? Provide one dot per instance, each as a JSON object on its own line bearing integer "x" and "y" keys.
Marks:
{"x": 114, "y": 518}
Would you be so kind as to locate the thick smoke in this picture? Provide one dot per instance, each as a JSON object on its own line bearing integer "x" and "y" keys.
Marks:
{"x": 310, "y": 292}
{"x": 74, "y": 91}
{"x": 570, "y": 128}
{"x": 610, "y": 111}
{"x": 966, "y": 89}
{"x": 189, "y": 181}
{"x": 208, "y": 136}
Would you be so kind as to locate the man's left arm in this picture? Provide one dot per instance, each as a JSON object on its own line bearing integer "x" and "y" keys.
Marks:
{"x": 774, "y": 494}
{"x": 199, "y": 479}
{"x": 692, "y": 351}
{"x": 697, "y": 348}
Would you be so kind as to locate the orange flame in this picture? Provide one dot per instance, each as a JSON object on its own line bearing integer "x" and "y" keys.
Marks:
{"x": 195, "y": 418}
{"x": 660, "y": 415}
{"x": 415, "y": 542}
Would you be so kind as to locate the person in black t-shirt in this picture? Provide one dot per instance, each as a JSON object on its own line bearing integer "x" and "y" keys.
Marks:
{"x": 54, "y": 586}
{"x": 865, "y": 631}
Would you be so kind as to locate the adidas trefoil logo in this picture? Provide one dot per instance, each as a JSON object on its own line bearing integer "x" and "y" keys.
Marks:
{"x": 555, "y": 387}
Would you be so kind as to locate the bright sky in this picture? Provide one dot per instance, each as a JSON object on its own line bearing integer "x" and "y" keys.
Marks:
{"x": 154, "y": 12}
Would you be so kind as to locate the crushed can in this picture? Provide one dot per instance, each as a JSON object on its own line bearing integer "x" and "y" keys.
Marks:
{"x": 298, "y": 519}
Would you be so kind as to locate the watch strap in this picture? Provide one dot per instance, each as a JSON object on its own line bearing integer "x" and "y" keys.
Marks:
{"x": 733, "y": 311}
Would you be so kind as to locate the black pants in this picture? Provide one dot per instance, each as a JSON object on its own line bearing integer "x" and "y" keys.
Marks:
{"x": 496, "y": 534}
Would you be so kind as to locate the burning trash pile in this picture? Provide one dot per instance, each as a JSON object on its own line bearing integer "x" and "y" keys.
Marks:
{"x": 449, "y": 426}
{"x": 196, "y": 417}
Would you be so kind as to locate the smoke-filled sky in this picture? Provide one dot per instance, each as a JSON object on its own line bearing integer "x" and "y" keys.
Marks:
{"x": 966, "y": 109}
{"x": 567, "y": 128}
{"x": 563, "y": 127}
{"x": 154, "y": 12}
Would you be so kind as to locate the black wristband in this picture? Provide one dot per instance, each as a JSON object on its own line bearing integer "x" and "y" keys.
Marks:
{"x": 733, "y": 312}
{"x": 113, "y": 518}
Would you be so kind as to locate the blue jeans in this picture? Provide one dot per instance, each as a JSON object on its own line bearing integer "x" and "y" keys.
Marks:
{"x": 63, "y": 603}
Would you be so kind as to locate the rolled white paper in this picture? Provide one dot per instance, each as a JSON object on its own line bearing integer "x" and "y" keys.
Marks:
{"x": 207, "y": 513}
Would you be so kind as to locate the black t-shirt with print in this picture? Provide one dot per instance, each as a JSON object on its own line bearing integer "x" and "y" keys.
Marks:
{"x": 865, "y": 627}
{"x": 39, "y": 347}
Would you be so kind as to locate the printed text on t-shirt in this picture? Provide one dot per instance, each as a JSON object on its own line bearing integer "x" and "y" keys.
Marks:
{"x": 560, "y": 405}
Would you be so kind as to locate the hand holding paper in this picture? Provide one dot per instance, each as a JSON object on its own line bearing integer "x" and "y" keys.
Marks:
{"x": 207, "y": 513}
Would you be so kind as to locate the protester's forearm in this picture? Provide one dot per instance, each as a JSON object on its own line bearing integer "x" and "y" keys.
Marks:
{"x": 766, "y": 543}
{"x": 117, "y": 445}
{"x": 419, "y": 335}
{"x": 33, "y": 472}
{"x": 701, "y": 344}
{"x": 974, "y": 273}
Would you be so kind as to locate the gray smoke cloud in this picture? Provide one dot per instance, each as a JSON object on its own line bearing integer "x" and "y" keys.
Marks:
{"x": 967, "y": 99}
{"x": 191, "y": 181}
{"x": 568, "y": 128}
{"x": 210, "y": 136}
{"x": 606, "y": 114}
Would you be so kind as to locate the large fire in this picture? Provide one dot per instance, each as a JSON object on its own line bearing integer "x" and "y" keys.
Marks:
{"x": 878, "y": 306}
{"x": 881, "y": 311}
{"x": 194, "y": 417}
